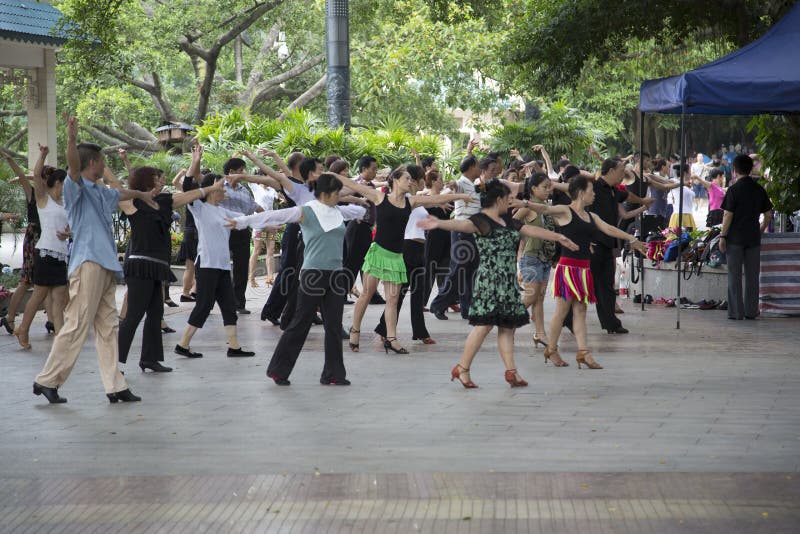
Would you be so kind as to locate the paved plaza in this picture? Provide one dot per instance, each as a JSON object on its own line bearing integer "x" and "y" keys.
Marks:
{"x": 690, "y": 430}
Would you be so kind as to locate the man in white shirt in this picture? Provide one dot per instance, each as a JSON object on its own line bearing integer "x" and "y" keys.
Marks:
{"x": 463, "y": 252}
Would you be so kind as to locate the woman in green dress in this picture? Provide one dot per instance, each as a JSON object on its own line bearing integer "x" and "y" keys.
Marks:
{"x": 496, "y": 295}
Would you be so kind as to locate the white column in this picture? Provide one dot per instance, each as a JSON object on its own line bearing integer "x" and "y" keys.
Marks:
{"x": 42, "y": 117}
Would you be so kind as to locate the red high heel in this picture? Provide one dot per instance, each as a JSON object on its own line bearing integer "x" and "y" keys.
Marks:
{"x": 457, "y": 372}
{"x": 513, "y": 381}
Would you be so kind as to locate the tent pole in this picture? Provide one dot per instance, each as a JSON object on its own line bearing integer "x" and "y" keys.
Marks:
{"x": 634, "y": 257}
{"x": 680, "y": 213}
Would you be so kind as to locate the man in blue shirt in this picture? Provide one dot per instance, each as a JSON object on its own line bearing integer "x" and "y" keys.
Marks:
{"x": 93, "y": 273}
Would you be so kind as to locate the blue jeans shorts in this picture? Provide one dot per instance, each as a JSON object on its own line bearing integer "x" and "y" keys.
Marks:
{"x": 533, "y": 269}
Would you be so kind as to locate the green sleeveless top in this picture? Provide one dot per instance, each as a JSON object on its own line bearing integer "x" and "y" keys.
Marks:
{"x": 540, "y": 248}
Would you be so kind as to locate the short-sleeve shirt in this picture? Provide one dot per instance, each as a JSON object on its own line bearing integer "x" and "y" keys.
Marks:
{"x": 747, "y": 200}
{"x": 213, "y": 235}
{"x": 605, "y": 205}
{"x": 90, "y": 207}
{"x": 239, "y": 199}
{"x": 715, "y": 196}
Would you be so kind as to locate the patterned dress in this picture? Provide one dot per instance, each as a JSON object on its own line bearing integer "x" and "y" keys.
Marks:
{"x": 32, "y": 234}
{"x": 496, "y": 298}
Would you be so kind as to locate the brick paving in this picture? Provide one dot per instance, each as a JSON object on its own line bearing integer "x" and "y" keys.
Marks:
{"x": 694, "y": 430}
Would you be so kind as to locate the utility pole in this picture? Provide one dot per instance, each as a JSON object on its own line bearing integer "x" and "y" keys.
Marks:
{"x": 337, "y": 45}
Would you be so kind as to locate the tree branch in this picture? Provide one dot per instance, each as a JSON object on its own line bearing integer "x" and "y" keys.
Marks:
{"x": 134, "y": 129}
{"x": 262, "y": 88}
{"x": 153, "y": 87}
{"x": 245, "y": 23}
{"x": 16, "y": 137}
{"x": 12, "y": 112}
{"x": 109, "y": 136}
{"x": 312, "y": 92}
{"x": 256, "y": 74}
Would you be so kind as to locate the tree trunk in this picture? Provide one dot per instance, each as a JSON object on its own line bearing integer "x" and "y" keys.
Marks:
{"x": 237, "y": 58}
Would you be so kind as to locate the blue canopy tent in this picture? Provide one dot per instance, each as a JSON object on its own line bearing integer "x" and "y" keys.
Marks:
{"x": 760, "y": 78}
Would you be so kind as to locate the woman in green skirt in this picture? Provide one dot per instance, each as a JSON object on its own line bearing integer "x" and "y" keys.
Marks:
{"x": 384, "y": 260}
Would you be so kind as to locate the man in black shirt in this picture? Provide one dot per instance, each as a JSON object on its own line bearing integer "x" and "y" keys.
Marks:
{"x": 607, "y": 205}
{"x": 740, "y": 238}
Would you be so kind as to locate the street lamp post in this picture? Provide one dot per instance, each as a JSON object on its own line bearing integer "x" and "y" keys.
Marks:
{"x": 337, "y": 45}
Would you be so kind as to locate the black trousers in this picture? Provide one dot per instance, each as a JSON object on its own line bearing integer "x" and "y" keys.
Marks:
{"x": 464, "y": 262}
{"x": 213, "y": 285}
{"x": 437, "y": 260}
{"x": 145, "y": 299}
{"x": 747, "y": 260}
{"x": 286, "y": 276}
{"x": 357, "y": 240}
{"x": 317, "y": 288}
{"x": 603, "y": 265}
{"x": 239, "y": 243}
{"x": 292, "y": 295}
{"x": 414, "y": 257}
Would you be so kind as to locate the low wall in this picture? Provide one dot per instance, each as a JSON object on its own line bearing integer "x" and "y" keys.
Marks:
{"x": 712, "y": 284}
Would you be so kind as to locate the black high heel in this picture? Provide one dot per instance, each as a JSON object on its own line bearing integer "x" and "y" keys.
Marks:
{"x": 50, "y": 327}
{"x": 354, "y": 346}
{"x": 156, "y": 367}
{"x": 167, "y": 330}
{"x": 125, "y": 396}
{"x": 9, "y": 326}
{"x": 388, "y": 345}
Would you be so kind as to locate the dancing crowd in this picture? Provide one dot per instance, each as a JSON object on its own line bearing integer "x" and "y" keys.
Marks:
{"x": 492, "y": 242}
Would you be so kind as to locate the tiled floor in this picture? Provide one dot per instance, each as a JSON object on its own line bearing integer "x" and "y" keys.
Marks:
{"x": 691, "y": 430}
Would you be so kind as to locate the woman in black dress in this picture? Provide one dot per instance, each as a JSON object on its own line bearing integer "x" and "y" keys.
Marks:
{"x": 573, "y": 286}
{"x": 32, "y": 233}
{"x": 147, "y": 265}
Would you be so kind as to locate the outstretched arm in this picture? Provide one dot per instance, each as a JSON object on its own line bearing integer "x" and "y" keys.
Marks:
{"x": 23, "y": 178}
{"x": 613, "y": 231}
{"x": 542, "y": 233}
{"x": 546, "y": 157}
{"x": 187, "y": 197}
{"x": 38, "y": 179}
{"x": 177, "y": 182}
{"x": 373, "y": 195}
{"x": 278, "y": 180}
{"x": 266, "y": 218}
{"x": 123, "y": 154}
{"x": 73, "y": 158}
{"x": 277, "y": 159}
{"x": 464, "y": 226}
{"x": 427, "y": 201}
{"x": 255, "y": 179}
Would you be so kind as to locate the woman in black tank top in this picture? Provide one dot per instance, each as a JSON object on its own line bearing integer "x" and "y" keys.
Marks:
{"x": 384, "y": 260}
{"x": 574, "y": 287}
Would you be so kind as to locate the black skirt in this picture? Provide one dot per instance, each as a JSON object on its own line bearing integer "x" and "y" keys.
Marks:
{"x": 188, "y": 250}
{"x": 49, "y": 271}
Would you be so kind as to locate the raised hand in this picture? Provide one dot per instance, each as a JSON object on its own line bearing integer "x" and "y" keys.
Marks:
{"x": 514, "y": 153}
{"x": 44, "y": 150}
{"x": 537, "y": 148}
{"x": 72, "y": 125}
{"x": 197, "y": 150}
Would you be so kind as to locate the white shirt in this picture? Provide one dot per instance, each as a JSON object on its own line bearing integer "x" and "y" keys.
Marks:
{"x": 412, "y": 230}
{"x": 212, "y": 235}
{"x": 688, "y": 199}
{"x": 264, "y": 197}
{"x": 699, "y": 169}
{"x": 293, "y": 215}
{"x": 463, "y": 209}
{"x": 300, "y": 194}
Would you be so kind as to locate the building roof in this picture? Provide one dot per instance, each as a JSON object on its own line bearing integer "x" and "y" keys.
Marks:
{"x": 30, "y": 21}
